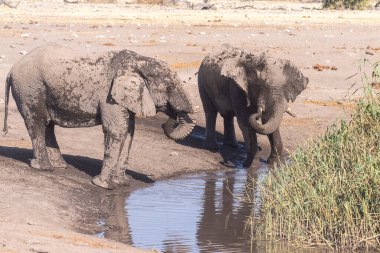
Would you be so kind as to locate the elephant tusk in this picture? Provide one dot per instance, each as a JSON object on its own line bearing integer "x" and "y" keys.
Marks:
{"x": 291, "y": 113}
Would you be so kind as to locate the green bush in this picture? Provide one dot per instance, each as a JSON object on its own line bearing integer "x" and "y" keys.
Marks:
{"x": 346, "y": 4}
{"x": 329, "y": 192}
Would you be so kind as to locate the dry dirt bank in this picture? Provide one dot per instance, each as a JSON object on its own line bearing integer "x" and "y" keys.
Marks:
{"x": 40, "y": 211}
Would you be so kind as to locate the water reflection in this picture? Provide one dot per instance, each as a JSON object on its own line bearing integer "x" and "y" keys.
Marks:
{"x": 114, "y": 224}
{"x": 198, "y": 213}
{"x": 222, "y": 224}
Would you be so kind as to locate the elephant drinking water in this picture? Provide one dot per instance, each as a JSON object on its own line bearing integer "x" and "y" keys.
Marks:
{"x": 54, "y": 85}
{"x": 252, "y": 88}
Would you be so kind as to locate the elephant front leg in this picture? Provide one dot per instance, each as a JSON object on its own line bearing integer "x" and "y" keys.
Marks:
{"x": 210, "y": 141}
{"x": 252, "y": 148}
{"x": 229, "y": 131}
{"x": 250, "y": 139}
{"x": 276, "y": 146}
{"x": 116, "y": 154}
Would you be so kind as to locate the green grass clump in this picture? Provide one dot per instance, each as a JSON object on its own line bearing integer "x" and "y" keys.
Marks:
{"x": 329, "y": 192}
{"x": 346, "y": 4}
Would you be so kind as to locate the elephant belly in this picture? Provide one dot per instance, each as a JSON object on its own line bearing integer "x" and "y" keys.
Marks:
{"x": 224, "y": 106}
{"x": 73, "y": 119}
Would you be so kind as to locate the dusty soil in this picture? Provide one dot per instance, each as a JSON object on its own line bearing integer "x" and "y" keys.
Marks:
{"x": 53, "y": 212}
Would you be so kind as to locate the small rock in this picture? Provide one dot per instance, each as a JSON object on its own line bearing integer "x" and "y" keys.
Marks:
{"x": 1, "y": 101}
{"x": 369, "y": 52}
{"x": 25, "y": 35}
{"x": 23, "y": 52}
{"x": 174, "y": 153}
{"x": 38, "y": 250}
{"x": 320, "y": 67}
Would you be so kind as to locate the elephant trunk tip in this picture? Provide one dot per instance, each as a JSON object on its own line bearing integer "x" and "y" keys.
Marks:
{"x": 178, "y": 129}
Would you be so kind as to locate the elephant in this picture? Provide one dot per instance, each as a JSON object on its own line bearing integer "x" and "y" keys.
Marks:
{"x": 233, "y": 82}
{"x": 56, "y": 85}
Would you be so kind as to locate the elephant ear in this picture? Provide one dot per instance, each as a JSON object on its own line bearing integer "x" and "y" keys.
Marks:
{"x": 295, "y": 82}
{"x": 129, "y": 90}
{"x": 232, "y": 68}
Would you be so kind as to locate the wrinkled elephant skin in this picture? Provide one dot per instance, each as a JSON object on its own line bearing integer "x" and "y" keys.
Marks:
{"x": 55, "y": 85}
{"x": 252, "y": 88}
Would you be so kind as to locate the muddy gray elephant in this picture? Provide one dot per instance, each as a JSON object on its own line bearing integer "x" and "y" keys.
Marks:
{"x": 252, "y": 88}
{"x": 54, "y": 85}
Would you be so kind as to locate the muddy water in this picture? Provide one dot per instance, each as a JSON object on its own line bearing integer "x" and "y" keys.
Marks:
{"x": 194, "y": 213}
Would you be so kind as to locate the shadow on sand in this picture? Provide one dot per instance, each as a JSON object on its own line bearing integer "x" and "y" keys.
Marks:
{"x": 232, "y": 156}
{"x": 90, "y": 166}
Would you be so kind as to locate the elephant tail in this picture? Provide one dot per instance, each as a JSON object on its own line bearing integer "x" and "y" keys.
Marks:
{"x": 8, "y": 84}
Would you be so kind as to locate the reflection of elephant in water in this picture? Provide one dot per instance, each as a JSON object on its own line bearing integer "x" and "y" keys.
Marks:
{"x": 53, "y": 85}
{"x": 223, "y": 224}
{"x": 236, "y": 83}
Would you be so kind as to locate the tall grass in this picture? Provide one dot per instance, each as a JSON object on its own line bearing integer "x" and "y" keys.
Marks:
{"x": 329, "y": 192}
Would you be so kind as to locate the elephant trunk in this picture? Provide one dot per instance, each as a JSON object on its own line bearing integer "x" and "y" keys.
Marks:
{"x": 178, "y": 129}
{"x": 273, "y": 122}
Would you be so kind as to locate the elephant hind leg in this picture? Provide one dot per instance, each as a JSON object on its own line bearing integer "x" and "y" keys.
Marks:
{"x": 229, "y": 131}
{"x": 37, "y": 129}
{"x": 53, "y": 151}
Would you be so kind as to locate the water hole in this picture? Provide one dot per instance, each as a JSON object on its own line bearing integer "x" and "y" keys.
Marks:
{"x": 193, "y": 213}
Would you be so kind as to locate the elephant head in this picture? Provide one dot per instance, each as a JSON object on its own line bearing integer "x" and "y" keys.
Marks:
{"x": 150, "y": 86}
{"x": 269, "y": 85}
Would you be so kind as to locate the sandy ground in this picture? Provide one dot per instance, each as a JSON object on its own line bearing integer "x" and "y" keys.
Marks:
{"x": 52, "y": 212}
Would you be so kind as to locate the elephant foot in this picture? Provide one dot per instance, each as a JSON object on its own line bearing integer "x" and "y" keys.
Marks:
{"x": 228, "y": 164}
{"x": 102, "y": 183}
{"x": 273, "y": 160}
{"x": 111, "y": 182}
{"x": 248, "y": 162}
{"x": 230, "y": 143}
{"x": 59, "y": 164}
{"x": 40, "y": 166}
{"x": 56, "y": 159}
